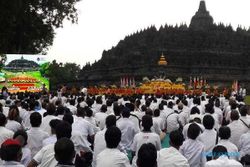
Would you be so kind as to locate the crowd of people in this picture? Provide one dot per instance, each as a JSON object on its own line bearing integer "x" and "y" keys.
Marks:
{"x": 64, "y": 130}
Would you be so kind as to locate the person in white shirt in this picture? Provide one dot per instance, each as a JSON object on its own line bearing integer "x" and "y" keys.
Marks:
{"x": 220, "y": 158}
{"x": 111, "y": 156}
{"x": 89, "y": 117}
{"x": 64, "y": 152}
{"x": 22, "y": 137}
{"x": 209, "y": 136}
{"x": 35, "y": 134}
{"x": 237, "y": 128}
{"x": 13, "y": 117}
{"x": 4, "y": 132}
{"x": 183, "y": 114}
{"x": 83, "y": 127}
{"x": 48, "y": 116}
{"x": 127, "y": 128}
{"x": 147, "y": 156}
{"x": 72, "y": 106}
{"x": 218, "y": 111}
{"x": 11, "y": 153}
{"x": 209, "y": 110}
{"x": 171, "y": 157}
{"x": 52, "y": 138}
{"x": 158, "y": 122}
{"x": 244, "y": 144}
{"x": 192, "y": 149}
{"x": 146, "y": 136}
{"x": 101, "y": 116}
{"x": 99, "y": 142}
{"x": 225, "y": 134}
{"x": 45, "y": 157}
{"x": 244, "y": 117}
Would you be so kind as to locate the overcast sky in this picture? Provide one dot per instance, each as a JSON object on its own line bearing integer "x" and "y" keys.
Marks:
{"x": 103, "y": 23}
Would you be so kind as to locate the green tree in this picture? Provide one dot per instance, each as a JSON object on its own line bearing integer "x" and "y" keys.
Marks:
{"x": 3, "y": 59}
{"x": 27, "y": 26}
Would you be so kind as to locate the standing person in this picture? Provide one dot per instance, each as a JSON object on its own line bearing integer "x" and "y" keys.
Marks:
{"x": 11, "y": 153}
{"x": 4, "y": 132}
{"x": 111, "y": 156}
{"x": 171, "y": 157}
{"x": 193, "y": 149}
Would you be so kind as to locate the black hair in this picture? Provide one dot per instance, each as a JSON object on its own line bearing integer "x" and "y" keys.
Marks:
{"x": 209, "y": 108}
{"x": 243, "y": 110}
{"x": 10, "y": 152}
{"x": 234, "y": 115}
{"x": 147, "y": 122}
{"x": 117, "y": 109}
{"x": 68, "y": 118}
{"x": 103, "y": 108}
{"x": 157, "y": 113}
{"x": 176, "y": 138}
{"x": 89, "y": 112}
{"x": 224, "y": 132}
{"x": 64, "y": 151}
{"x": 22, "y": 133}
{"x": 3, "y": 119}
{"x": 110, "y": 121}
{"x": 161, "y": 106}
{"x": 72, "y": 102}
{"x": 147, "y": 156}
{"x": 35, "y": 119}
{"x": 125, "y": 112}
{"x": 208, "y": 122}
{"x": 53, "y": 123}
{"x": 60, "y": 110}
{"x": 193, "y": 131}
{"x": 195, "y": 110}
{"x": 219, "y": 151}
{"x": 80, "y": 112}
{"x": 51, "y": 109}
{"x": 113, "y": 137}
{"x": 63, "y": 129}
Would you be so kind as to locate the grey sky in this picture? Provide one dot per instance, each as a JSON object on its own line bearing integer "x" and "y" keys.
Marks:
{"x": 102, "y": 23}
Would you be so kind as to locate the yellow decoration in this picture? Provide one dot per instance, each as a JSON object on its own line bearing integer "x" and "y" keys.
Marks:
{"x": 162, "y": 61}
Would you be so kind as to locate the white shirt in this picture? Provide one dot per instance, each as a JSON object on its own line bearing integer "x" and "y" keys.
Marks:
{"x": 50, "y": 140}
{"x": 145, "y": 137}
{"x": 208, "y": 138}
{"x": 244, "y": 144}
{"x": 231, "y": 148}
{"x": 72, "y": 109}
{"x": 12, "y": 164}
{"x": 237, "y": 129}
{"x": 26, "y": 158}
{"x": 171, "y": 157}
{"x": 100, "y": 119}
{"x": 99, "y": 144}
{"x": 158, "y": 124}
{"x": 112, "y": 158}
{"x": 172, "y": 122}
{"x": 45, "y": 123}
{"x": 5, "y": 134}
{"x": 35, "y": 139}
{"x": 193, "y": 150}
{"x": 13, "y": 125}
{"x": 46, "y": 156}
{"x": 223, "y": 161}
{"x": 128, "y": 132}
{"x": 83, "y": 127}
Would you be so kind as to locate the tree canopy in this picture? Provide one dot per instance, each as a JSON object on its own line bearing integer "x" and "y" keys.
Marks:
{"x": 27, "y": 26}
